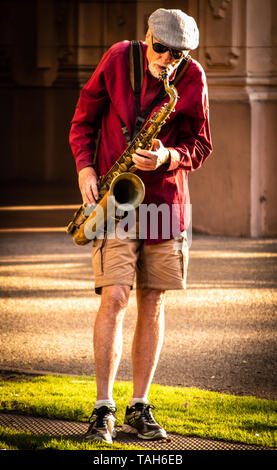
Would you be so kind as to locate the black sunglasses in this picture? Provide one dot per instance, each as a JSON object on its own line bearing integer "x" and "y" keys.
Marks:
{"x": 161, "y": 49}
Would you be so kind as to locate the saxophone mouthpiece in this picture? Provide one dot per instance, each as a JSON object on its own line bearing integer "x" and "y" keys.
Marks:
{"x": 163, "y": 73}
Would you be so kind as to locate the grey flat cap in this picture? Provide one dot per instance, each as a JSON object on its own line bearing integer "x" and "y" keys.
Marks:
{"x": 174, "y": 28}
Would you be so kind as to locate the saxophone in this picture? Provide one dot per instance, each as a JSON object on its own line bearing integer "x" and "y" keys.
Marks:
{"x": 120, "y": 181}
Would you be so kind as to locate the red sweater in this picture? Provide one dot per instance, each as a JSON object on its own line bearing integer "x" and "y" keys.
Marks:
{"x": 108, "y": 97}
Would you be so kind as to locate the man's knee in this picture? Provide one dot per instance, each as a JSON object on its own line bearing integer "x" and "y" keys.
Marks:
{"x": 153, "y": 296}
{"x": 115, "y": 297}
{"x": 150, "y": 306}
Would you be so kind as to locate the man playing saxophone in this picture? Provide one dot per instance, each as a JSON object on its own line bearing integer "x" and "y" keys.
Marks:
{"x": 107, "y": 103}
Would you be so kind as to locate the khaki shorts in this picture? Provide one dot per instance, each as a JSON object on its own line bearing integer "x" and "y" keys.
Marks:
{"x": 160, "y": 266}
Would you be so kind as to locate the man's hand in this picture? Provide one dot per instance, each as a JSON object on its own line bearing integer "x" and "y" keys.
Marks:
{"x": 148, "y": 160}
{"x": 88, "y": 185}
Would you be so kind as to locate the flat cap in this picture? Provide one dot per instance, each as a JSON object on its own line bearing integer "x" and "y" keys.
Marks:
{"x": 174, "y": 29}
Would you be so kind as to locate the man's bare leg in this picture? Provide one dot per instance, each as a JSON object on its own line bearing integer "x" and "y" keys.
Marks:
{"x": 148, "y": 339}
{"x": 108, "y": 337}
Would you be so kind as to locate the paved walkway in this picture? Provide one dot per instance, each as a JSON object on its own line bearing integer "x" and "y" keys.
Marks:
{"x": 220, "y": 332}
{"x": 76, "y": 430}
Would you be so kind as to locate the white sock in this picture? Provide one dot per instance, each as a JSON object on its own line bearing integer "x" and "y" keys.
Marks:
{"x": 108, "y": 402}
{"x": 138, "y": 400}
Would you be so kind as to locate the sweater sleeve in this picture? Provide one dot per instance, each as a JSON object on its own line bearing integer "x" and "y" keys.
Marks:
{"x": 86, "y": 121}
{"x": 193, "y": 144}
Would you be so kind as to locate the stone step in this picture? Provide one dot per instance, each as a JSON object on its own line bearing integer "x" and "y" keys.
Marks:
{"x": 36, "y": 216}
{"x": 37, "y": 205}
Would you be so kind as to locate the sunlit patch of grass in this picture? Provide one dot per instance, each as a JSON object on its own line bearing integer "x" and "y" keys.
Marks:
{"x": 186, "y": 411}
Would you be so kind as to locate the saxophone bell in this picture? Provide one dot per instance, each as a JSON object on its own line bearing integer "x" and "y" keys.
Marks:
{"x": 127, "y": 188}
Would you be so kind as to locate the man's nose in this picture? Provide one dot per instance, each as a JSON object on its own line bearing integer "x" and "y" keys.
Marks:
{"x": 166, "y": 58}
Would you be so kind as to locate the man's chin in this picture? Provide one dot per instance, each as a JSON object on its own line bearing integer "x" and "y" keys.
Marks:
{"x": 156, "y": 69}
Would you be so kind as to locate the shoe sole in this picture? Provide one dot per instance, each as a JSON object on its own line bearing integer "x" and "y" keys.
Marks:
{"x": 130, "y": 430}
{"x": 101, "y": 438}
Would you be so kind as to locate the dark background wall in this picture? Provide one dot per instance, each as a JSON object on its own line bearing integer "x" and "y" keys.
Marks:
{"x": 48, "y": 50}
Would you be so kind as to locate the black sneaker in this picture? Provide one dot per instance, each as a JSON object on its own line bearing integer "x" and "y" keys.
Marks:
{"x": 139, "y": 420}
{"x": 102, "y": 422}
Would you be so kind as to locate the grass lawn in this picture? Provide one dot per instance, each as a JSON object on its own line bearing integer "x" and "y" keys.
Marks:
{"x": 186, "y": 411}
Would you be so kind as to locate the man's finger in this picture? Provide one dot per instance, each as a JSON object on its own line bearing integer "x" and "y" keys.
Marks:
{"x": 94, "y": 190}
{"x": 143, "y": 163}
{"x": 87, "y": 193}
{"x": 145, "y": 153}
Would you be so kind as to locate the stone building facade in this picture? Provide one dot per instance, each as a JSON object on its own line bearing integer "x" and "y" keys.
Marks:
{"x": 48, "y": 50}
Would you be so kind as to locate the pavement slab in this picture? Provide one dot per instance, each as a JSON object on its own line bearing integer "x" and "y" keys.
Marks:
{"x": 220, "y": 331}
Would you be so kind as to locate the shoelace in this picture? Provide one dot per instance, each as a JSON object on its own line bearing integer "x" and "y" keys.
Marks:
{"x": 100, "y": 415}
{"x": 146, "y": 411}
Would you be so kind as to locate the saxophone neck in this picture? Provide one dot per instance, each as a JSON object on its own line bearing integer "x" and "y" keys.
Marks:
{"x": 169, "y": 88}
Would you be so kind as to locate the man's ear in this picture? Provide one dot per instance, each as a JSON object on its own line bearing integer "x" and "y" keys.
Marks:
{"x": 148, "y": 35}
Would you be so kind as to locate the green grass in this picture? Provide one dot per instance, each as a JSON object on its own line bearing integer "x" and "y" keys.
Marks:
{"x": 186, "y": 411}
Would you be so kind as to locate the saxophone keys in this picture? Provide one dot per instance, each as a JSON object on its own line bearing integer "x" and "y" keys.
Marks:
{"x": 128, "y": 161}
{"x": 123, "y": 167}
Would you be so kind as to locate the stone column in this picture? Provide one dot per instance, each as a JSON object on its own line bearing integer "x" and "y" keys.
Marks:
{"x": 234, "y": 193}
{"x": 38, "y": 50}
{"x": 262, "y": 90}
